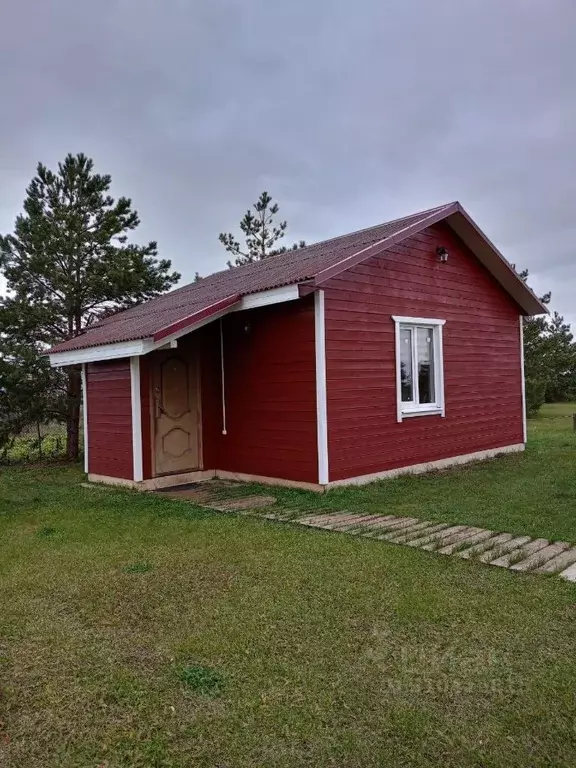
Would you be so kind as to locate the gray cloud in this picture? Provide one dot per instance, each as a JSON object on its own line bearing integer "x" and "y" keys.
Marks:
{"x": 349, "y": 114}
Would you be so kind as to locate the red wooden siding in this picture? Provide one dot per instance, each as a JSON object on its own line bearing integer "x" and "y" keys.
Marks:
{"x": 270, "y": 393}
{"x": 109, "y": 419}
{"x": 481, "y": 358}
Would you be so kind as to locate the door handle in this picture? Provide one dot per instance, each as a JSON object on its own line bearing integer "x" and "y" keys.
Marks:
{"x": 159, "y": 409}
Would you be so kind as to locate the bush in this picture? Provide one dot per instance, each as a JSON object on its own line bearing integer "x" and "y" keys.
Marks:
{"x": 535, "y": 396}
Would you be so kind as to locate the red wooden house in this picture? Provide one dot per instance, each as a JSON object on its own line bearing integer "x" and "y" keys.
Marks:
{"x": 394, "y": 349}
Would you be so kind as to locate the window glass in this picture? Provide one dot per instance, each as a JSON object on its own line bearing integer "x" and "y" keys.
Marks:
{"x": 425, "y": 358}
{"x": 406, "y": 374}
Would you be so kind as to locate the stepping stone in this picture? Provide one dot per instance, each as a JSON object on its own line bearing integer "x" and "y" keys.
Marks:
{"x": 384, "y": 522}
{"x": 454, "y": 539}
{"x": 394, "y": 523}
{"x": 483, "y": 546}
{"x": 446, "y": 537}
{"x": 397, "y": 525}
{"x": 525, "y": 551}
{"x": 541, "y": 557}
{"x": 349, "y": 522}
{"x": 569, "y": 574}
{"x": 558, "y": 563}
{"x": 466, "y": 539}
{"x": 316, "y": 520}
{"x": 513, "y": 542}
{"x": 415, "y": 531}
{"x": 435, "y": 536}
{"x": 363, "y": 521}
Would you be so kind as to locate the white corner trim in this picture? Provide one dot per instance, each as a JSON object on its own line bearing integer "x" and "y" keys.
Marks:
{"x": 264, "y": 298}
{"x": 85, "y": 415}
{"x": 136, "y": 419}
{"x": 416, "y": 469}
{"x": 523, "y": 379}
{"x": 418, "y": 320}
{"x": 403, "y": 410}
{"x": 321, "y": 405}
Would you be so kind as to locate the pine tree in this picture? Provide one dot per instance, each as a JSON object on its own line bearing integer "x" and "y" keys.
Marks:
{"x": 261, "y": 233}
{"x": 549, "y": 358}
{"x": 67, "y": 264}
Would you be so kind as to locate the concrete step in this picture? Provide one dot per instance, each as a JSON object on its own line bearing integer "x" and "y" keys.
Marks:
{"x": 484, "y": 546}
{"x": 501, "y": 549}
{"x": 505, "y": 561}
{"x": 334, "y": 525}
{"x": 466, "y": 540}
{"x": 558, "y": 563}
{"x": 541, "y": 557}
{"x": 358, "y": 522}
{"x": 415, "y": 531}
{"x": 442, "y": 540}
{"x": 395, "y": 524}
{"x": 426, "y": 540}
{"x": 569, "y": 573}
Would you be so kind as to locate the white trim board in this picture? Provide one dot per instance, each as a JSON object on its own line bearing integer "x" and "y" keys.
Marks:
{"x": 167, "y": 481}
{"x": 264, "y": 298}
{"x": 85, "y": 416}
{"x": 523, "y": 380}
{"x": 138, "y": 472}
{"x": 144, "y": 346}
{"x": 321, "y": 405}
{"x": 416, "y": 469}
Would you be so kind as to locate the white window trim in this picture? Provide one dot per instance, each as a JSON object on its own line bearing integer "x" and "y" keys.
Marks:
{"x": 403, "y": 410}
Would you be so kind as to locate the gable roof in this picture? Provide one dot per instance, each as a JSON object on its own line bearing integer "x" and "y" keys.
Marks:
{"x": 314, "y": 264}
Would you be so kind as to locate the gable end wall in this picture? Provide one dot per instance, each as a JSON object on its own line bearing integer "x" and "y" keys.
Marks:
{"x": 481, "y": 358}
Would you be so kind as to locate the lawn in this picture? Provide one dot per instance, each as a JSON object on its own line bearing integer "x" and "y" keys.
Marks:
{"x": 140, "y": 631}
{"x": 527, "y": 493}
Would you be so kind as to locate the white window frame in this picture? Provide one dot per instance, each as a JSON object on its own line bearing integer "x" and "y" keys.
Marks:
{"x": 437, "y": 408}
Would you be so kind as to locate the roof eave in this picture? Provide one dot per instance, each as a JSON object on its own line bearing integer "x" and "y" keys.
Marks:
{"x": 498, "y": 266}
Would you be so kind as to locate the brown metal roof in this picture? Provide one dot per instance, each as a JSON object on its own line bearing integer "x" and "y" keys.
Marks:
{"x": 316, "y": 262}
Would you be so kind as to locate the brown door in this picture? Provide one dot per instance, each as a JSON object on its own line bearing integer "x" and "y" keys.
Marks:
{"x": 176, "y": 401}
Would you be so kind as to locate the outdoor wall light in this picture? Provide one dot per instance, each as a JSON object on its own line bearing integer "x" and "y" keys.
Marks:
{"x": 442, "y": 254}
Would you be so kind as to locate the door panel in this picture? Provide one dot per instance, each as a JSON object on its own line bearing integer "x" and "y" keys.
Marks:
{"x": 176, "y": 413}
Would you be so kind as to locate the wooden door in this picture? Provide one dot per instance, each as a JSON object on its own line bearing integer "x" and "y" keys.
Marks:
{"x": 176, "y": 403}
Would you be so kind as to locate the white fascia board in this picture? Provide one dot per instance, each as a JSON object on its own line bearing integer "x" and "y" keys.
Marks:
{"x": 264, "y": 298}
{"x": 144, "y": 346}
{"x": 103, "y": 352}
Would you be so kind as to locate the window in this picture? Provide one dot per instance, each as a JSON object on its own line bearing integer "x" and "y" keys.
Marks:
{"x": 419, "y": 367}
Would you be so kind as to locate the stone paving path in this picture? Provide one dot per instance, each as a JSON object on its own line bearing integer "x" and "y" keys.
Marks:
{"x": 517, "y": 553}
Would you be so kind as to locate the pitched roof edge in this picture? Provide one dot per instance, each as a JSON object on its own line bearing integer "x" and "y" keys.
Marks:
{"x": 501, "y": 269}
{"x": 196, "y": 317}
{"x": 530, "y": 302}
{"x": 384, "y": 244}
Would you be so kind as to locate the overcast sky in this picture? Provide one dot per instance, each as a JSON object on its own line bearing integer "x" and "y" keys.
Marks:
{"x": 348, "y": 113}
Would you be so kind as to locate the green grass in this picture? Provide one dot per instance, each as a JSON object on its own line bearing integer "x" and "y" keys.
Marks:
{"x": 532, "y": 493}
{"x": 245, "y": 643}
